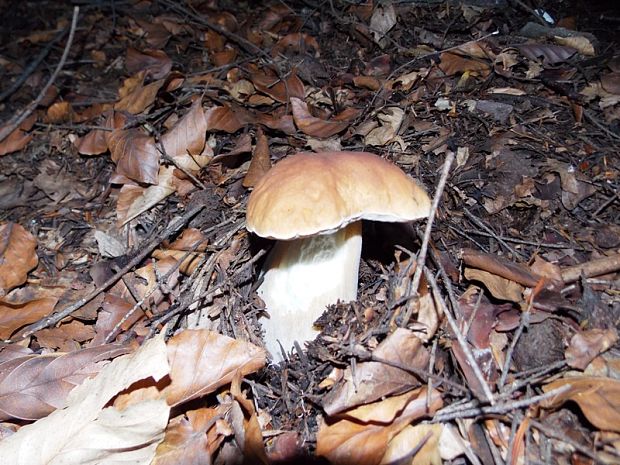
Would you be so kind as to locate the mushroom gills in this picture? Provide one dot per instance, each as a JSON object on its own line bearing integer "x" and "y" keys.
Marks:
{"x": 301, "y": 277}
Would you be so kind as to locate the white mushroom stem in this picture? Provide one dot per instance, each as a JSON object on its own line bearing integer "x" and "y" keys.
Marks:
{"x": 301, "y": 277}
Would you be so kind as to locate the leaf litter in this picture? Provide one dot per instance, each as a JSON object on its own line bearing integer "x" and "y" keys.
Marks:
{"x": 128, "y": 311}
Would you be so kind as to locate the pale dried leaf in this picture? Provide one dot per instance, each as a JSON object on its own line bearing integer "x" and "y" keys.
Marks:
{"x": 500, "y": 288}
{"x": 313, "y": 126}
{"x": 17, "y": 256}
{"x": 586, "y": 345}
{"x": 372, "y": 380}
{"x": 135, "y": 155}
{"x": 410, "y": 438}
{"x": 135, "y": 200}
{"x": 75, "y": 434}
{"x": 186, "y": 141}
{"x": 201, "y": 361}
{"x": 261, "y": 160}
{"x": 32, "y": 387}
{"x": 598, "y": 398}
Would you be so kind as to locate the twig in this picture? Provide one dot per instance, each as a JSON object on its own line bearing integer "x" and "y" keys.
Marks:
{"x": 32, "y": 66}
{"x": 144, "y": 251}
{"x": 459, "y": 336}
{"x": 524, "y": 323}
{"x": 217, "y": 287}
{"x": 500, "y": 409}
{"x": 19, "y": 118}
{"x": 592, "y": 268}
{"x": 478, "y": 222}
{"x": 417, "y": 276}
{"x": 552, "y": 433}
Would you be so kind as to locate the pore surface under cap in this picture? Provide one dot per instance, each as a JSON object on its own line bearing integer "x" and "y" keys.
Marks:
{"x": 313, "y": 193}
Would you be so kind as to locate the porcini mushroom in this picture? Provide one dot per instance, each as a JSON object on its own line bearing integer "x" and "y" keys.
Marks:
{"x": 312, "y": 204}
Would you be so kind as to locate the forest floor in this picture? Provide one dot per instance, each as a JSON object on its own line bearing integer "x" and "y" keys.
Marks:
{"x": 133, "y": 132}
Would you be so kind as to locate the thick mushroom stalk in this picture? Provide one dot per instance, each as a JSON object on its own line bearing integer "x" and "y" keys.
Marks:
{"x": 301, "y": 277}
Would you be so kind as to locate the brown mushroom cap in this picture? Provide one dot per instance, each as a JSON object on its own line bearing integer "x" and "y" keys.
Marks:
{"x": 316, "y": 193}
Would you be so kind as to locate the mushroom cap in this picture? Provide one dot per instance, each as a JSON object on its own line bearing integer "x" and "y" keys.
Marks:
{"x": 318, "y": 193}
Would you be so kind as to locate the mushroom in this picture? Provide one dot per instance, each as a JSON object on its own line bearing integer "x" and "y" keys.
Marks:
{"x": 312, "y": 204}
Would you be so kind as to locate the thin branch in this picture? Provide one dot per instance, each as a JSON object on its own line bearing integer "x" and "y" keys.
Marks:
{"x": 19, "y": 118}
{"x": 417, "y": 276}
{"x": 459, "y": 336}
{"x": 500, "y": 409}
{"x": 32, "y": 66}
{"x": 144, "y": 251}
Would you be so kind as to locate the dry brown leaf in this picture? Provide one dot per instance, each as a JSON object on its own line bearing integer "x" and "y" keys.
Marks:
{"x": 17, "y": 256}
{"x": 185, "y": 142}
{"x": 372, "y": 380}
{"x": 135, "y": 200}
{"x": 261, "y": 160}
{"x": 550, "y": 54}
{"x": 191, "y": 239}
{"x": 382, "y": 21}
{"x": 586, "y": 345}
{"x": 191, "y": 438}
{"x": 66, "y": 337}
{"x": 155, "y": 63}
{"x": 86, "y": 431}
{"x": 281, "y": 91}
{"x": 201, "y": 361}
{"x": 15, "y": 141}
{"x": 92, "y": 143}
{"x": 365, "y": 443}
{"x": 410, "y": 438}
{"x": 226, "y": 119}
{"x": 453, "y": 63}
{"x": 500, "y": 266}
{"x": 313, "y": 126}
{"x": 32, "y": 387}
{"x": 575, "y": 187}
{"x": 598, "y": 398}
{"x": 135, "y": 97}
{"x": 135, "y": 155}
{"x": 296, "y": 43}
{"x": 59, "y": 112}
{"x": 387, "y": 133}
{"x": 113, "y": 309}
{"x": 500, "y": 288}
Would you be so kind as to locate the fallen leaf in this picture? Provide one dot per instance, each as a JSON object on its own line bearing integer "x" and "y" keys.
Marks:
{"x": 278, "y": 89}
{"x": 382, "y": 21}
{"x": 313, "y": 126}
{"x": 191, "y": 438}
{"x": 155, "y": 63}
{"x": 425, "y": 438}
{"x": 185, "y": 143}
{"x": 500, "y": 288}
{"x": 17, "y": 256}
{"x": 387, "y": 133}
{"x": 135, "y": 155}
{"x": 92, "y": 143}
{"x": 135, "y": 200}
{"x": 366, "y": 442}
{"x": 15, "y": 141}
{"x": 296, "y": 42}
{"x": 598, "y": 399}
{"x": 579, "y": 43}
{"x": 86, "y": 431}
{"x": 261, "y": 160}
{"x": 372, "y": 380}
{"x": 550, "y": 54}
{"x": 201, "y": 361}
{"x": 586, "y": 345}
{"x": 226, "y": 119}
{"x": 34, "y": 386}
{"x": 138, "y": 97}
